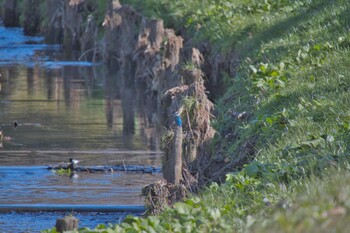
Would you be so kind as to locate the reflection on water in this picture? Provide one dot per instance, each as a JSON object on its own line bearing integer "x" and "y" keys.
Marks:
{"x": 69, "y": 108}
{"x": 64, "y": 109}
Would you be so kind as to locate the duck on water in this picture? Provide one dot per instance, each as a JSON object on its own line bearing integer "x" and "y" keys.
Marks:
{"x": 72, "y": 164}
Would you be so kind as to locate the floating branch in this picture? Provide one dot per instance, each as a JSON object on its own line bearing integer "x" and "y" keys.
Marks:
{"x": 124, "y": 168}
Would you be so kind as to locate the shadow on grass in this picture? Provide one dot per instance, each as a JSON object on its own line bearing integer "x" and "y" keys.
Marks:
{"x": 300, "y": 21}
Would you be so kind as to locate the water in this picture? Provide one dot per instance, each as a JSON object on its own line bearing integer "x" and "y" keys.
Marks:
{"x": 52, "y": 109}
{"x": 30, "y": 222}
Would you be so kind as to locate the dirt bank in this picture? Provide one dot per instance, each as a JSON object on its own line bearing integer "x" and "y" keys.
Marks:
{"x": 170, "y": 75}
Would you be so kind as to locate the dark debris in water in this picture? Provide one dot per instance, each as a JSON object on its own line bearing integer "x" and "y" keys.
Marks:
{"x": 123, "y": 168}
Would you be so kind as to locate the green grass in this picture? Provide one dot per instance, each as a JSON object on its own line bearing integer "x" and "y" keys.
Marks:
{"x": 294, "y": 81}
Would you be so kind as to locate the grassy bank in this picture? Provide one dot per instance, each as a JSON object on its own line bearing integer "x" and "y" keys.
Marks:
{"x": 293, "y": 82}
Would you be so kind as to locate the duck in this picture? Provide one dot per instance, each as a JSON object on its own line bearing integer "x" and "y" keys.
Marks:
{"x": 73, "y": 164}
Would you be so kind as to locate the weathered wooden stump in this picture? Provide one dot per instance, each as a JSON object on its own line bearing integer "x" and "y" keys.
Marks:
{"x": 10, "y": 13}
{"x": 32, "y": 17}
{"x": 67, "y": 223}
{"x": 172, "y": 163}
{"x": 177, "y": 156}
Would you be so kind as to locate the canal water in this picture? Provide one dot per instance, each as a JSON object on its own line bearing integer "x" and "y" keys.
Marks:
{"x": 52, "y": 109}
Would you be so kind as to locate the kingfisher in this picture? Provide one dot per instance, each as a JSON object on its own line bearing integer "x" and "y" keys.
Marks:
{"x": 178, "y": 120}
{"x": 178, "y": 117}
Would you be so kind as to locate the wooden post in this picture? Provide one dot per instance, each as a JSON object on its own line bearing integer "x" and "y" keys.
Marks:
{"x": 67, "y": 223}
{"x": 172, "y": 161}
{"x": 54, "y": 28}
{"x": 32, "y": 17}
{"x": 72, "y": 21}
{"x": 177, "y": 156}
{"x": 10, "y": 13}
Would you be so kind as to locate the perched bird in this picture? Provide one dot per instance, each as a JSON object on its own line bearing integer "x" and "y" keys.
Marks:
{"x": 177, "y": 115}
{"x": 178, "y": 120}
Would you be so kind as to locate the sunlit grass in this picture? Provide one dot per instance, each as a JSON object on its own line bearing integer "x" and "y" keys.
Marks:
{"x": 318, "y": 205}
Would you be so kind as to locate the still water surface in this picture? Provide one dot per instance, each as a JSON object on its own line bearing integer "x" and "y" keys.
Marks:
{"x": 65, "y": 108}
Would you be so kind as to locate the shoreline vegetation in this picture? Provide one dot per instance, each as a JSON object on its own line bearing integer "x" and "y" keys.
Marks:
{"x": 278, "y": 75}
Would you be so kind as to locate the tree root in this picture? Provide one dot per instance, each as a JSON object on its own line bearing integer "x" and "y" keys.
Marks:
{"x": 161, "y": 194}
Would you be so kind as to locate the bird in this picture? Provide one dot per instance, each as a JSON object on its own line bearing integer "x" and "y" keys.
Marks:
{"x": 73, "y": 163}
{"x": 177, "y": 115}
{"x": 178, "y": 120}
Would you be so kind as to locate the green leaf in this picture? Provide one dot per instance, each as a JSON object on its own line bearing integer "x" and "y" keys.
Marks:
{"x": 252, "y": 170}
{"x": 269, "y": 120}
{"x": 101, "y": 226}
{"x": 274, "y": 73}
{"x": 263, "y": 67}
{"x": 313, "y": 143}
{"x": 317, "y": 47}
{"x": 282, "y": 65}
{"x": 182, "y": 208}
{"x": 215, "y": 214}
{"x": 253, "y": 69}
{"x": 346, "y": 125}
{"x": 280, "y": 83}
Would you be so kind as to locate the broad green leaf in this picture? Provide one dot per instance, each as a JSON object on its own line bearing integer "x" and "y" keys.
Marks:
{"x": 269, "y": 120}
{"x": 263, "y": 67}
{"x": 215, "y": 214}
{"x": 274, "y": 73}
{"x": 253, "y": 69}
{"x": 182, "y": 208}
{"x": 251, "y": 170}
